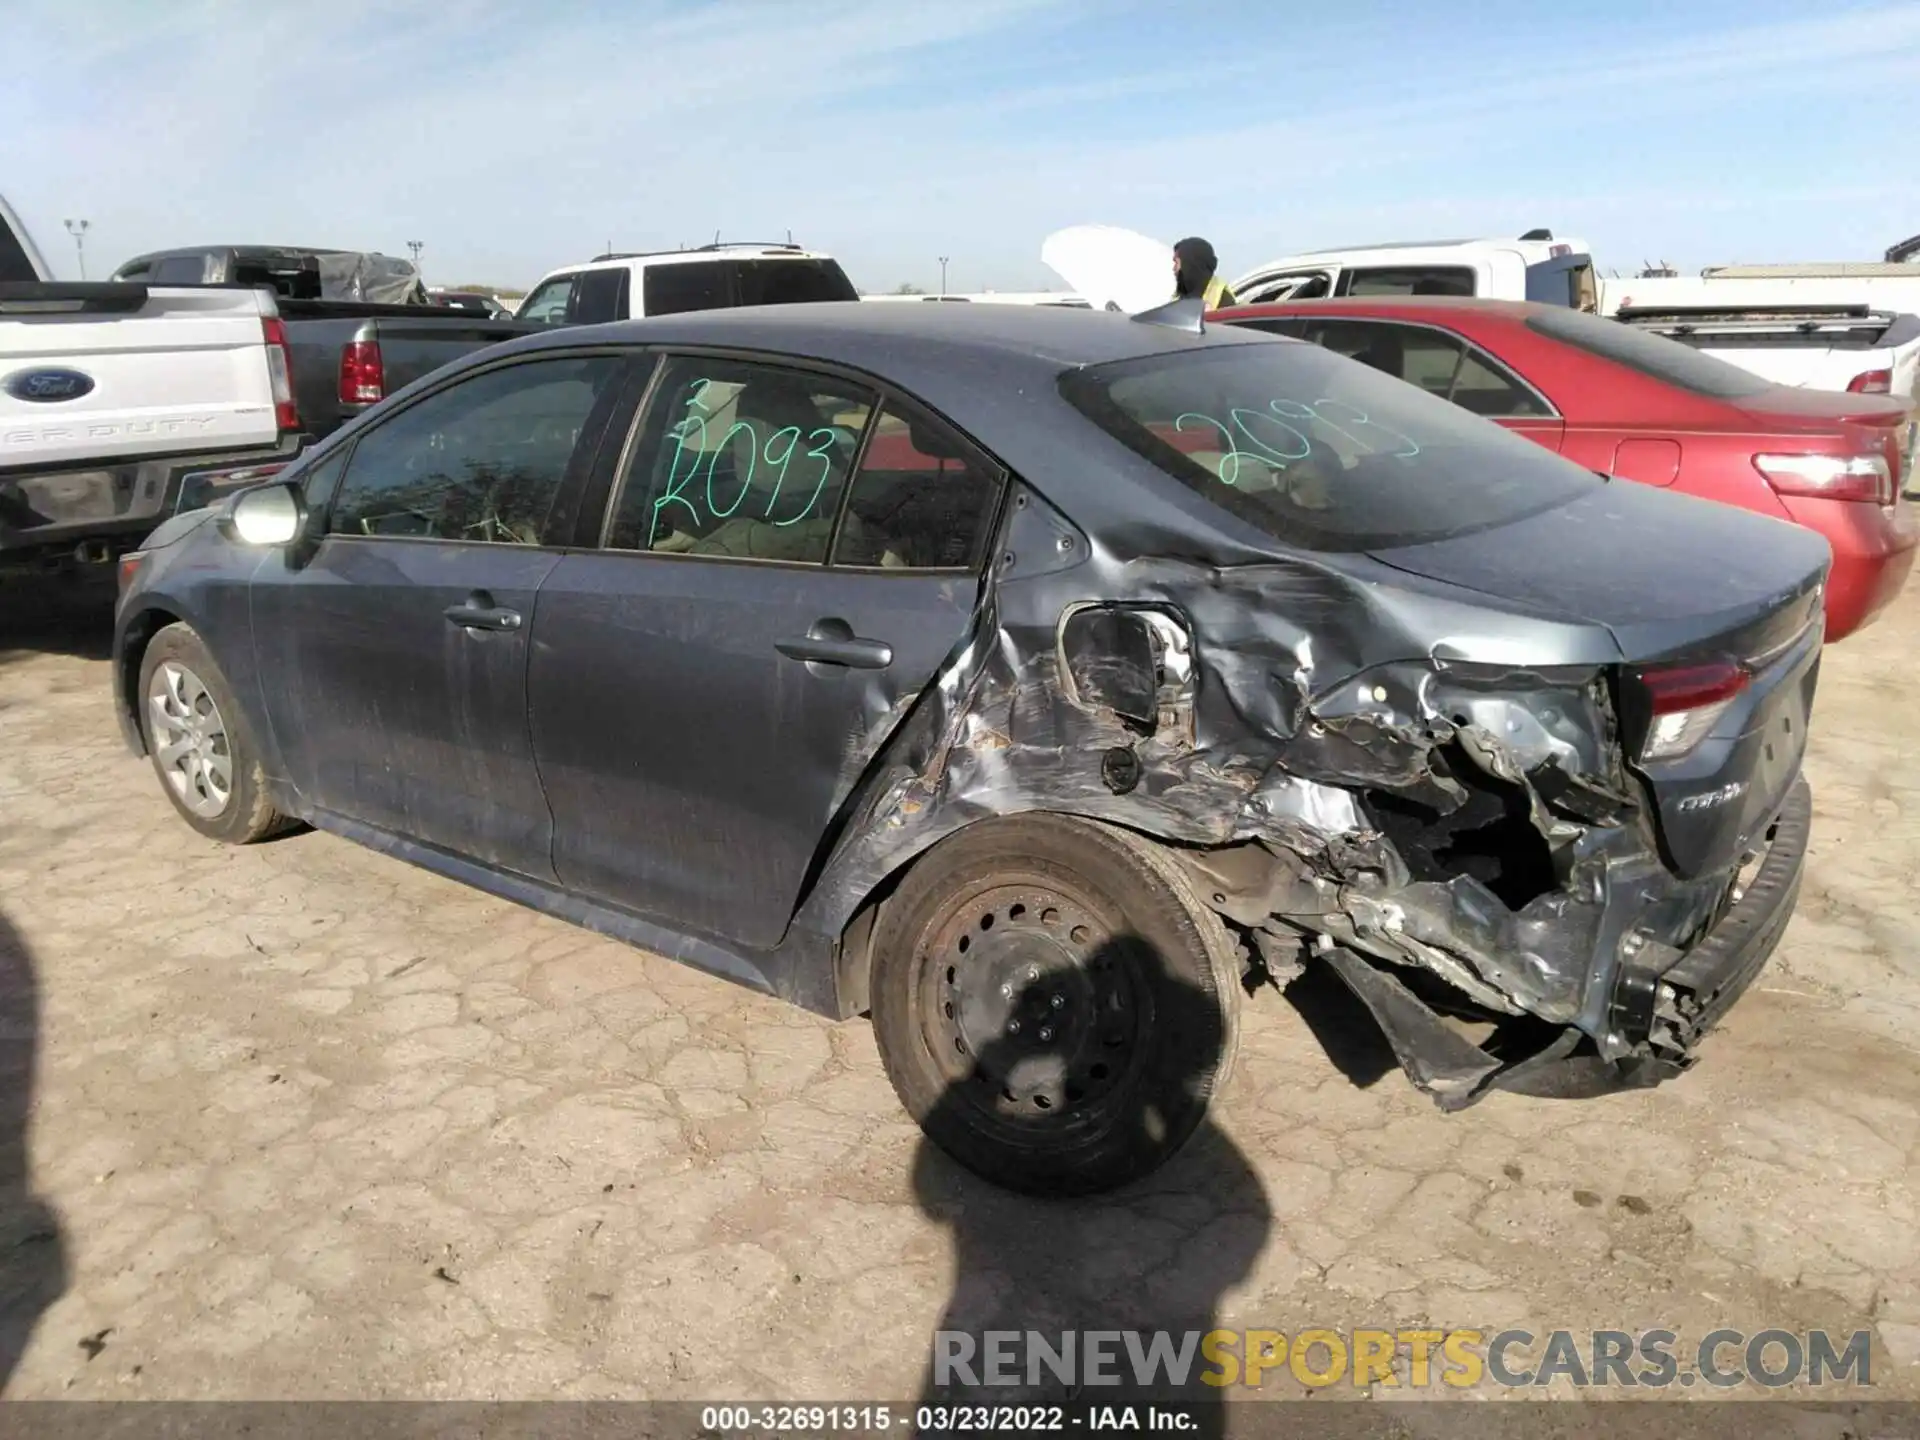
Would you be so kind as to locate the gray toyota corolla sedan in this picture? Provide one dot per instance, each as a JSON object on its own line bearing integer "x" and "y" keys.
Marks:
{"x": 1043, "y": 683}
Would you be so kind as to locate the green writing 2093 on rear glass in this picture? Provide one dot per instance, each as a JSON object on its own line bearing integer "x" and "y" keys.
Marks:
{"x": 694, "y": 453}
{"x": 1272, "y": 437}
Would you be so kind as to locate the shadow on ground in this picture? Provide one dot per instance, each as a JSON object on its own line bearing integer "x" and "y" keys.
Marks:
{"x": 57, "y": 614}
{"x": 1342, "y": 1025}
{"x": 1155, "y": 1256}
{"x": 33, "y": 1265}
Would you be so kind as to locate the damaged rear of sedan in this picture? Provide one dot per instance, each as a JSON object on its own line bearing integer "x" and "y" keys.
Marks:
{"x": 1114, "y": 673}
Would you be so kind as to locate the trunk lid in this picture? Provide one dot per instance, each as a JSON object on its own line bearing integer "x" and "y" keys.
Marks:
{"x": 1678, "y": 582}
{"x": 1825, "y": 408}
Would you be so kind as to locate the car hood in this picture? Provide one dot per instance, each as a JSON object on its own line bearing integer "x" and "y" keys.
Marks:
{"x": 1109, "y": 266}
{"x": 176, "y": 528}
{"x": 1660, "y": 571}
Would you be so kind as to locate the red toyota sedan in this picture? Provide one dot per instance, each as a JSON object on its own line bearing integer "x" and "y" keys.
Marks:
{"x": 1646, "y": 408}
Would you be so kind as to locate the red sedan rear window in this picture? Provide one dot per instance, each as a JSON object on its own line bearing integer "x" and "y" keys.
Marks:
{"x": 1652, "y": 355}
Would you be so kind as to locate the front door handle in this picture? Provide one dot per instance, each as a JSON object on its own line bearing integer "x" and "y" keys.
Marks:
{"x": 832, "y": 642}
{"x": 480, "y": 613}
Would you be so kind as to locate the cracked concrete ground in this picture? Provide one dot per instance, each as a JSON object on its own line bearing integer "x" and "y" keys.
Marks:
{"x": 305, "y": 1122}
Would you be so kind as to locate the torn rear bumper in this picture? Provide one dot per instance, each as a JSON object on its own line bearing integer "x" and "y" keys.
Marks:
{"x": 1663, "y": 1000}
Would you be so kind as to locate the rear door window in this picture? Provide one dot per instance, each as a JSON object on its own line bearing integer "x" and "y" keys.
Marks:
{"x": 1440, "y": 363}
{"x": 678, "y": 286}
{"x": 1413, "y": 353}
{"x": 600, "y": 297}
{"x": 1409, "y": 280}
{"x": 923, "y": 499}
{"x": 741, "y": 460}
{"x": 1486, "y": 387}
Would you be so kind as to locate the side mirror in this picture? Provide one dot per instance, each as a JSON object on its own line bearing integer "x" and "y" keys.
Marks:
{"x": 268, "y": 515}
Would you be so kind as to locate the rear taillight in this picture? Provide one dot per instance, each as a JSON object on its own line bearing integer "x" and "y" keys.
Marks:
{"x": 286, "y": 415}
{"x": 1684, "y": 702}
{"x": 363, "y": 375}
{"x": 1872, "y": 382}
{"x": 1829, "y": 477}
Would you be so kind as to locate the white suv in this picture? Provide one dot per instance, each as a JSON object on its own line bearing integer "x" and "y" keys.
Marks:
{"x": 713, "y": 277}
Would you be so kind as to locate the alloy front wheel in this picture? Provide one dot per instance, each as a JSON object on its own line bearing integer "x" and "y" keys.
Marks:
{"x": 199, "y": 741}
{"x": 191, "y": 748}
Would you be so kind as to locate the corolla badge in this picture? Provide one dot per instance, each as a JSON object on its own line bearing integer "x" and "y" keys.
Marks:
{"x": 1707, "y": 799}
{"x": 47, "y": 387}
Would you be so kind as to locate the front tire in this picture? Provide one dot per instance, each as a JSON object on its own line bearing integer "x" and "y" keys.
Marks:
{"x": 198, "y": 741}
{"x": 1053, "y": 1002}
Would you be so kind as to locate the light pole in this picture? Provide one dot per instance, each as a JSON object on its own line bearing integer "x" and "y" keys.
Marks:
{"x": 416, "y": 246}
{"x": 943, "y": 274}
{"x": 78, "y": 230}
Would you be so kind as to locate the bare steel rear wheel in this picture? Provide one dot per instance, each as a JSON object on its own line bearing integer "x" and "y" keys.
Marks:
{"x": 1052, "y": 1002}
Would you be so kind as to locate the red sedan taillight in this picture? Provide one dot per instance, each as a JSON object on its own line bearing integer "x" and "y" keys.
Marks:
{"x": 1829, "y": 477}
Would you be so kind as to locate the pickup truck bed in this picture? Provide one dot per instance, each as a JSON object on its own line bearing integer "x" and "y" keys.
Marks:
{"x": 1809, "y": 347}
{"x": 392, "y": 346}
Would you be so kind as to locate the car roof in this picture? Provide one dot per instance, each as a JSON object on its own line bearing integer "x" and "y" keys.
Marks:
{"x": 935, "y": 351}
{"x": 993, "y": 370}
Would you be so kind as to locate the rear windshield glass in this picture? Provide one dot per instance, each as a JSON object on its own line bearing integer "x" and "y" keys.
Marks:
{"x": 1321, "y": 451}
{"x": 1654, "y": 356}
{"x": 675, "y": 288}
{"x": 789, "y": 282}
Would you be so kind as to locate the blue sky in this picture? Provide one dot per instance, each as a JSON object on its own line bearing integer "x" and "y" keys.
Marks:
{"x": 513, "y": 138}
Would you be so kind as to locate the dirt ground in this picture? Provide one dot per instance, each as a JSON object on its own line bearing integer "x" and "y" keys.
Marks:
{"x": 301, "y": 1121}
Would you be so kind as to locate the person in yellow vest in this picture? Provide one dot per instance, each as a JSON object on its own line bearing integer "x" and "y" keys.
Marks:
{"x": 1194, "y": 267}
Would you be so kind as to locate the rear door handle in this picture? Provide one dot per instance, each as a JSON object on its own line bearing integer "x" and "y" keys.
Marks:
{"x": 832, "y": 642}
{"x": 480, "y": 613}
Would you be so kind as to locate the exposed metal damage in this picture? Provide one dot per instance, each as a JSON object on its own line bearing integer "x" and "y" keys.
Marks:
{"x": 1460, "y": 841}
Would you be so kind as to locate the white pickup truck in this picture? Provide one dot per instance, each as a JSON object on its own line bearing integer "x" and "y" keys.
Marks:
{"x": 112, "y": 396}
{"x": 1535, "y": 267}
{"x": 1846, "y": 326}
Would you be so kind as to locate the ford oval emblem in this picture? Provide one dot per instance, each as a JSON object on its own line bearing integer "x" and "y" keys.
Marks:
{"x": 47, "y": 387}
